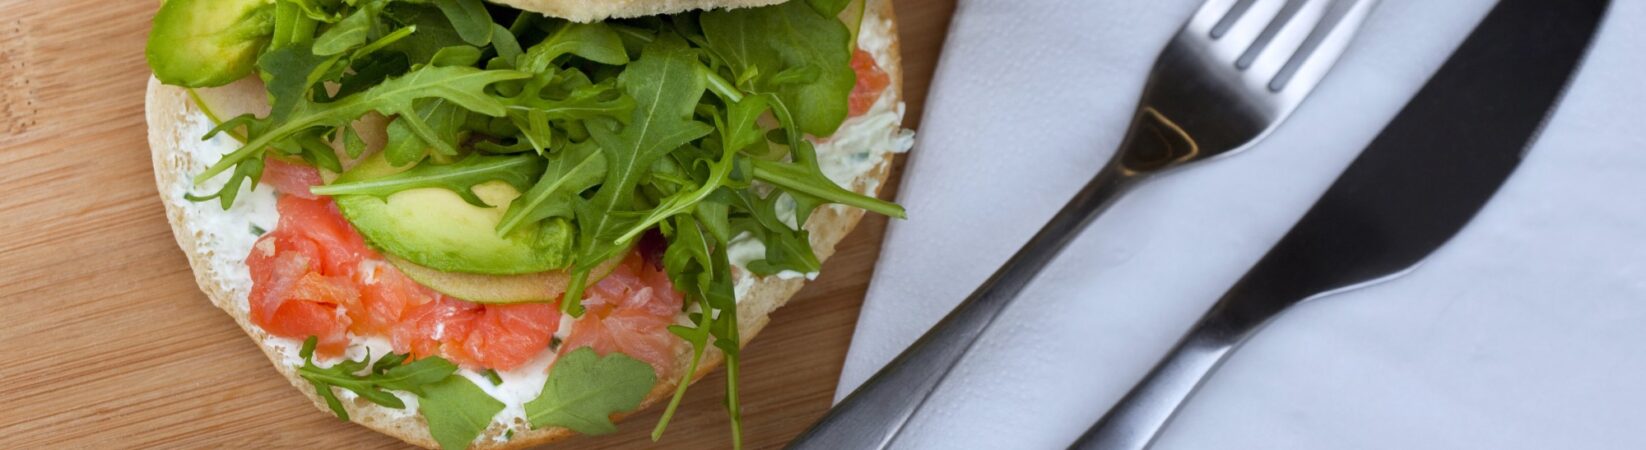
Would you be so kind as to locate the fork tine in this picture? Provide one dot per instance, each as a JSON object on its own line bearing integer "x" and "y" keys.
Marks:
{"x": 1210, "y": 14}
{"x": 1229, "y": 17}
{"x": 1245, "y": 29}
{"x": 1312, "y": 18}
{"x": 1324, "y": 44}
{"x": 1282, "y": 21}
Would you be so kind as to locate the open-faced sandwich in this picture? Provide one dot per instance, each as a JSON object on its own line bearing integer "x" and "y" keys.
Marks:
{"x": 496, "y": 225}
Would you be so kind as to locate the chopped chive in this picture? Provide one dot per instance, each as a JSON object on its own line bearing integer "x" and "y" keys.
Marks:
{"x": 491, "y": 374}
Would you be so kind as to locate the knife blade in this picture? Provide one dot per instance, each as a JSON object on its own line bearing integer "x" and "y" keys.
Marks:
{"x": 1419, "y": 182}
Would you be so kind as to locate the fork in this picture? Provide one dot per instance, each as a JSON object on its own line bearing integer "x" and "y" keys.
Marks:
{"x": 1234, "y": 72}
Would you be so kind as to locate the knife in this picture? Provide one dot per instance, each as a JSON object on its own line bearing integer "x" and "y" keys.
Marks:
{"x": 1415, "y": 186}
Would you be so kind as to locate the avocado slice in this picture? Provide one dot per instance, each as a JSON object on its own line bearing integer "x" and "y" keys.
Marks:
{"x": 526, "y": 288}
{"x": 436, "y": 229}
{"x": 206, "y": 43}
{"x": 853, "y": 17}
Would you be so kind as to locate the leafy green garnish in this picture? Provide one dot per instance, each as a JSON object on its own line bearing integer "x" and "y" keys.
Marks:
{"x": 571, "y": 171}
{"x": 347, "y": 34}
{"x": 464, "y": 86}
{"x": 560, "y": 101}
{"x": 594, "y": 42}
{"x": 584, "y": 389}
{"x": 388, "y": 373}
{"x": 459, "y": 177}
{"x": 434, "y": 31}
{"x": 469, "y": 18}
{"x": 705, "y": 274}
{"x": 443, "y": 119}
{"x": 666, "y": 85}
{"x": 791, "y": 50}
{"x": 738, "y": 132}
{"x": 457, "y": 411}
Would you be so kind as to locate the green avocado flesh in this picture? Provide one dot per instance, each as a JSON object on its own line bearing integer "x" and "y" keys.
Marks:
{"x": 436, "y": 229}
{"x": 540, "y": 287}
{"x": 853, "y": 17}
{"x": 205, "y": 43}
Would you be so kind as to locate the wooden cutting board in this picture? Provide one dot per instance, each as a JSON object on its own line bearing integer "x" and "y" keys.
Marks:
{"x": 106, "y": 342}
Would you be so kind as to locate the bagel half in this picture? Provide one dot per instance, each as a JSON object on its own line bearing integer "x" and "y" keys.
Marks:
{"x": 217, "y": 241}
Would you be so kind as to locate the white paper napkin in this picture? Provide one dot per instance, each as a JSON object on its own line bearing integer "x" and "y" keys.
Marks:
{"x": 1527, "y": 331}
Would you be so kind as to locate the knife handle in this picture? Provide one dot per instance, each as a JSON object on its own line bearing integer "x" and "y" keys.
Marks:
{"x": 1135, "y": 421}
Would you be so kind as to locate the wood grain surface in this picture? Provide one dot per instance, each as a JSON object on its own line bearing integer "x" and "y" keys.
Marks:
{"x": 106, "y": 342}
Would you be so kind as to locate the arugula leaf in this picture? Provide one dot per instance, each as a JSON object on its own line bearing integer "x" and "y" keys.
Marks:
{"x": 435, "y": 117}
{"x": 698, "y": 337}
{"x": 291, "y": 25}
{"x": 314, "y": 147}
{"x": 291, "y": 72}
{"x": 666, "y": 85}
{"x": 251, "y": 169}
{"x": 387, "y": 373}
{"x": 371, "y": 69}
{"x": 565, "y": 96}
{"x": 456, "y": 55}
{"x": 464, "y": 86}
{"x": 584, "y": 389}
{"x": 459, "y": 177}
{"x": 412, "y": 377}
{"x": 714, "y": 214}
{"x": 507, "y": 47}
{"x": 691, "y": 270}
{"x": 347, "y": 34}
{"x": 457, "y": 411}
{"x": 740, "y": 131}
{"x": 434, "y": 31}
{"x": 569, "y": 172}
{"x": 786, "y": 251}
{"x": 353, "y": 145}
{"x": 805, "y": 176}
{"x": 596, "y": 42}
{"x": 793, "y": 51}
{"x": 721, "y": 297}
{"x": 469, "y": 18}
{"x": 793, "y": 177}
{"x": 318, "y": 13}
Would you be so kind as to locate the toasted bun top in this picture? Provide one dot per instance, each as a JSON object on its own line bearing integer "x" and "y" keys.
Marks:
{"x": 594, "y": 10}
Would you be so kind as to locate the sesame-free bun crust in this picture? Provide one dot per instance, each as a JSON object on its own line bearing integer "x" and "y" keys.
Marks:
{"x": 170, "y": 108}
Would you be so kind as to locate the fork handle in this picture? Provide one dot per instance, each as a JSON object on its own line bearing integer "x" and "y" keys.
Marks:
{"x": 1134, "y": 422}
{"x": 874, "y": 413}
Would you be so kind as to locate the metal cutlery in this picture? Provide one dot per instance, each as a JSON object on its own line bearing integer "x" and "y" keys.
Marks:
{"x": 1419, "y": 182}
{"x": 1234, "y": 72}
